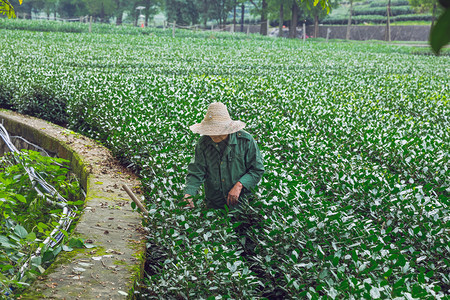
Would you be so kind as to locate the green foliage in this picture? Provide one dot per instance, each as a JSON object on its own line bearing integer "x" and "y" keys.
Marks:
{"x": 440, "y": 33}
{"x": 184, "y": 12}
{"x": 395, "y": 11}
{"x": 44, "y": 26}
{"x": 376, "y": 12}
{"x": 423, "y": 5}
{"x": 7, "y": 9}
{"x": 354, "y": 202}
{"x": 383, "y": 3}
{"x": 42, "y": 102}
{"x": 26, "y": 218}
{"x": 101, "y": 8}
{"x": 71, "y": 9}
{"x": 377, "y": 19}
{"x": 6, "y": 95}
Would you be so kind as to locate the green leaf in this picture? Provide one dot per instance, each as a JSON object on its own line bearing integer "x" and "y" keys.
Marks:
{"x": 36, "y": 261}
{"x": 48, "y": 256}
{"x": 41, "y": 269}
{"x": 421, "y": 278}
{"x": 400, "y": 282}
{"x": 3, "y": 239}
{"x": 440, "y": 33}
{"x": 20, "y": 231}
{"x": 66, "y": 248}
{"x": 21, "y": 198}
{"x": 387, "y": 273}
{"x": 401, "y": 260}
{"x": 8, "y": 9}
{"x": 76, "y": 203}
{"x": 375, "y": 293}
{"x": 335, "y": 261}
{"x": 354, "y": 256}
{"x": 323, "y": 274}
{"x": 57, "y": 250}
{"x": 42, "y": 226}
{"x": 76, "y": 243}
{"x": 31, "y": 237}
{"x": 6, "y": 268}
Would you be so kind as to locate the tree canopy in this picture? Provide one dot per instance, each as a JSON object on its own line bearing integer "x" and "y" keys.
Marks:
{"x": 6, "y": 8}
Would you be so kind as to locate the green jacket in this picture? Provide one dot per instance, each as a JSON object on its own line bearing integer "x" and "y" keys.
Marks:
{"x": 241, "y": 161}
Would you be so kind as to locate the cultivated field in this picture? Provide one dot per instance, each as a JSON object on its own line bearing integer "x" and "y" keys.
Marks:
{"x": 355, "y": 138}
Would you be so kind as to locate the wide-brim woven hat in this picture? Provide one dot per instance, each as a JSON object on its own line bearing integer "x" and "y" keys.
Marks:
{"x": 217, "y": 121}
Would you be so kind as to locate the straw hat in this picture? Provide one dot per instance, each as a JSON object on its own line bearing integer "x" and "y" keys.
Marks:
{"x": 217, "y": 122}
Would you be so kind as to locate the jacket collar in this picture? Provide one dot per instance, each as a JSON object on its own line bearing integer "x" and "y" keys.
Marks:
{"x": 232, "y": 140}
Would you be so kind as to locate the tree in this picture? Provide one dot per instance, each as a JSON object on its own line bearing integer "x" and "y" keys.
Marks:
{"x": 284, "y": 10}
{"x": 261, "y": 8}
{"x": 6, "y": 8}
{"x": 349, "y": 24}
{"x": 184, "y": 12}
{"x": 423, "y": 6}
{"x": 318, "y": 13}
{"x": 440, "y": 32}
{"x": 214, "y": 10}
{"x": 295, "y": 10}
{"x": 120, "y": 8}
{"x": 300, "y": 11}
{"x": 71, "y": 8}
{"x": 50, "y": 7}
{"x": 203, "y": 9}
{"x": 242, "y": 15}
{"x": 280, "y": 18}
{"x": 234, "y": 15}
{"x": 219, "y": 10}
{"x": 294, "y": 20}
{"x": 388, "y": 21}
{"x": 102, "y": 9}
{"x": 149, "y": 10}
{"x": 24, "y": 10}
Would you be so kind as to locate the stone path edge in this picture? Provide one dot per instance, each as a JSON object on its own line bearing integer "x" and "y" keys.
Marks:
{"x": 110, "y": 269}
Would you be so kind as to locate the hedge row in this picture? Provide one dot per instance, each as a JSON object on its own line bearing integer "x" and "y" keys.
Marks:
{"x": 375, "y": 19}
{"x": 384, "y": 3}
{"x": 382, "y": 11}
{"x": 102, "y": 28}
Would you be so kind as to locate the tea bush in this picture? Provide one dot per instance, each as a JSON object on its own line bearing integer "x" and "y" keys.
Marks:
{"x": 355, "y": 138}
{"x": 41, "y": 101}
{"x": 382, "y": 11}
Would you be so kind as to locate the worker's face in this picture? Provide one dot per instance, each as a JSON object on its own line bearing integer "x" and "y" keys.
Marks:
{"x": 218, "y": 138}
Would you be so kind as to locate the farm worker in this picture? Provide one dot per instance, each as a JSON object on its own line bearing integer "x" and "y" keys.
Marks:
{"x": 227, "y": 160}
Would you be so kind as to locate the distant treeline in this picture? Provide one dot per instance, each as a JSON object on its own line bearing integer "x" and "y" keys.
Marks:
{"x": 205, "y": 13}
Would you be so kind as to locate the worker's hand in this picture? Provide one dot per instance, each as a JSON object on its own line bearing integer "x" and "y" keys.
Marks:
{"x": 188, "y": 198}
{"x": 234, "y": 193}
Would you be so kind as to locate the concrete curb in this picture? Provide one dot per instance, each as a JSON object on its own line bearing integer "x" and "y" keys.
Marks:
{"x": 109, "y": 270}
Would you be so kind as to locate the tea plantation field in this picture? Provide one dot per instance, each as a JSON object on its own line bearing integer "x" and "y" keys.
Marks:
{"x": 355, "y": 138}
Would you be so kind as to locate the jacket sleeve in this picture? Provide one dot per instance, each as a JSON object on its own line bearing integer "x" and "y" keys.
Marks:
{"x": 255, "y": 167}
{"x": 196, "y": 172}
